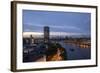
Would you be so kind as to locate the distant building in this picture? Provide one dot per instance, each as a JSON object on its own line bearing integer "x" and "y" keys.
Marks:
{"x": 46, "y": 34}
{"x": 26, "y": 41}
{"x": 32, "y": 39}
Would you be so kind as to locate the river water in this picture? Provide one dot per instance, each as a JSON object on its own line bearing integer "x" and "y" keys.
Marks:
{"x": 75, "y": 52}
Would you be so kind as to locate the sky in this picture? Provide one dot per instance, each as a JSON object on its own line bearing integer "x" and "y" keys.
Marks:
{"x": 64, "y": 22}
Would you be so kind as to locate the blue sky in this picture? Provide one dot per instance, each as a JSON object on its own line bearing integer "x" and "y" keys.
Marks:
{"x": 71, "y": 22}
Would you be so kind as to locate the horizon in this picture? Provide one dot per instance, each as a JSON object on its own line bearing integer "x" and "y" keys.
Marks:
{"x": 54, "y": 34}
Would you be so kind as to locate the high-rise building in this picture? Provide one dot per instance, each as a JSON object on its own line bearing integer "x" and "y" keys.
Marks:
{"x": 46, "y": 34}
{"x": 32, "y": 40}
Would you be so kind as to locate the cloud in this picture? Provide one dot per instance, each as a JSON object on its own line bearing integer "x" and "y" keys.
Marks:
{"x": 39, "y": 27}
{"x": 66, "y": 27}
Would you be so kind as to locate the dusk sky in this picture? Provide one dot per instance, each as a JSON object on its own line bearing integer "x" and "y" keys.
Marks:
{"x": 67, "y": 22}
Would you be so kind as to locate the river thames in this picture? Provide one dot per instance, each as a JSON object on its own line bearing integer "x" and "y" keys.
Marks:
{"x": 75, "y": 52}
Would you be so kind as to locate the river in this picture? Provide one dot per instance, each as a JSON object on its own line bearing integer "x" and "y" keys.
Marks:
{"x": 75, "y": 52}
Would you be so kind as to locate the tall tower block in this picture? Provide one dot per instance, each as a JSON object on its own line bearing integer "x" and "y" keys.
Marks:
{"x": 46, "y": 34}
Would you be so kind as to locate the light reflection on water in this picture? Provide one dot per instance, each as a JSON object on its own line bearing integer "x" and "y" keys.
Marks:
{"x": 75, "y": 52}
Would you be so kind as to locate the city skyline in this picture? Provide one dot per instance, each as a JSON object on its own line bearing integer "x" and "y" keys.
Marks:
{"x": 56, "y": 36}
{"x": 52, "y": 34}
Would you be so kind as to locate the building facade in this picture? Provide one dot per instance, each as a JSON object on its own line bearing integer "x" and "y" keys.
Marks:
{"x": 46, "y": 34}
